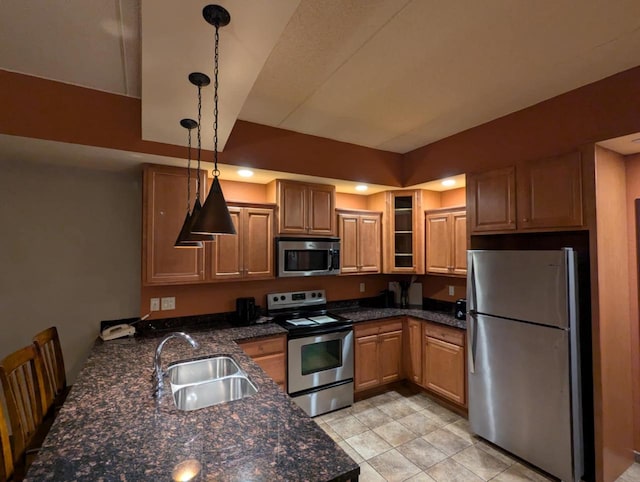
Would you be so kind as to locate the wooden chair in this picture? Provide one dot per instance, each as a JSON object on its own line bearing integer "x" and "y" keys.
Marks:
{"x": 48, "y": 349}
{"x": 22, "y": 384}
{"x": 6, "y": 457}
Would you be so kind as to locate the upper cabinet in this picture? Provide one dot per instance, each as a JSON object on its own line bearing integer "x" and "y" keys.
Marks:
{"x": 360, "y": 242}
{"x": 536, "y": 195}
{"x": 403, "y": 231}
{"x": 446, "y": 242}
{"x": 304, "y": 209}
{"x": 164, "y": 209}
{"x": 249, "y": 254}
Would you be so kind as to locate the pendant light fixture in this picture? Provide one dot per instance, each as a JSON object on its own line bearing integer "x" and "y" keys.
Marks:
{"x": 200, "y": 80}
{"x": 185, "y": 238}
{"x": 214, "y": 218}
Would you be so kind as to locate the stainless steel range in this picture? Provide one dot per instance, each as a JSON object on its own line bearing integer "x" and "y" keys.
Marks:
{"x": 320, "y": 351}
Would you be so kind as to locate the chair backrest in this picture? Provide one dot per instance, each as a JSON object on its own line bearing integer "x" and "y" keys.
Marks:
{"x": 22, "y": 384}
{"x": 6, "y": 459}
{"x": 48, "y": 348}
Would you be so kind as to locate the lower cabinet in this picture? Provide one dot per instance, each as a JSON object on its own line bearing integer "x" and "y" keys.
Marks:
{"x": 443, "y": 368}
{"x": 427, "y": 354}
{"x": 271, "y": 354}
{"x": 378, "y": 353}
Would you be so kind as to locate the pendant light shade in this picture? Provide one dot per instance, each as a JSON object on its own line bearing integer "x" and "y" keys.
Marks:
{"x": 214, "y": 217}
{"x": 187, "y": 239}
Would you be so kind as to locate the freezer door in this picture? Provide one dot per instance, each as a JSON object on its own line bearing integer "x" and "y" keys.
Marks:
{"x": 519, "y": 391}
{"x": 523, "y": 285}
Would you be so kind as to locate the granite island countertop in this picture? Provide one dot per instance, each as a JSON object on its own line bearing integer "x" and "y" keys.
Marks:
{"x": 110, "y": 428}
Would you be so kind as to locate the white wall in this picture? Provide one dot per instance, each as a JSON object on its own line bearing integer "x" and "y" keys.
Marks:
{"x": 69, "y": 254}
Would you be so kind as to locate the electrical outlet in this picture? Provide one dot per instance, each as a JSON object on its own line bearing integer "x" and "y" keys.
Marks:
{"x": 452, "y": 290}
{"x": 361, "y": 287}
{"x": 168, "y": 303}
{"x": 155, "y": 304}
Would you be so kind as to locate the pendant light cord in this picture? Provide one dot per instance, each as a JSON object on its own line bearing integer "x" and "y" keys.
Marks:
{"x": 199, "y": 141}
{"x": 189, "y": 175}
{"x": 216, "y": 172}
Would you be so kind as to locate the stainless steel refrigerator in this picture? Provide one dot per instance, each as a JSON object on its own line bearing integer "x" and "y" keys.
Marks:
{"x": 524, "y": 367}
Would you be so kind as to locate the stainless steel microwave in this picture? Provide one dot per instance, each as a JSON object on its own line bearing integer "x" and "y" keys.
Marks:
{"x": 308, "y": 256}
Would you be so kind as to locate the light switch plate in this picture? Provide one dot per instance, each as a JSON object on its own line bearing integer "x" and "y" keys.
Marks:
{"x": 155, "y": 304}
{"x": 452, "y": 290}
{"x": 361, "y": 287}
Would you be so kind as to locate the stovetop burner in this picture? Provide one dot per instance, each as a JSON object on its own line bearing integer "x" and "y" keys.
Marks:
{"x": 304, "y": 312}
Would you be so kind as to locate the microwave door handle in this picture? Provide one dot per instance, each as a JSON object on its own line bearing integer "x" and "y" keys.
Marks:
{"x": 330, "y": 260}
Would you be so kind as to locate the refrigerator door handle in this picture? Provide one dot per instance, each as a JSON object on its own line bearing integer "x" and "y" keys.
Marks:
{"x": 471, "y": 340}
{"x": 471, "y": 315}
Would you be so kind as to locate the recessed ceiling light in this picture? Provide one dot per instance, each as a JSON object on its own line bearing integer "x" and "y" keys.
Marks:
{"x": 245, "y": 172}
{"x": 637, "y": 141}
{"x": 449, "y": 182}
{"x": 361, "y": 187}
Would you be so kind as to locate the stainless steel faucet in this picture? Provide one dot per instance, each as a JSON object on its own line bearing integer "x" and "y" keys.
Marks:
{"x": 158, "y": 374}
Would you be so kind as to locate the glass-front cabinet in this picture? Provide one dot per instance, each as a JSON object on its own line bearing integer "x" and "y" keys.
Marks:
{"x": 406, "y": 232}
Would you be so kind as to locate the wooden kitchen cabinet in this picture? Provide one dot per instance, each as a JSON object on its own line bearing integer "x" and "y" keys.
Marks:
{"x": 271, "y": 354}
{"x": 446, "y": 242}
{"x": 549, "y": 192}
{"x": 360, "y": 242}
{"x": 304, "y": 208}
{"x": 491, "y": 200}
{"x": 444, "y": 362}
{"x": 249, "y": 254}
{"x": 534, "y": 195}
{"x": 378, "y": 353}
{"x": 163, "y": 212}
{"x": 404, "y": 233}
{"x": 413, "y": 351}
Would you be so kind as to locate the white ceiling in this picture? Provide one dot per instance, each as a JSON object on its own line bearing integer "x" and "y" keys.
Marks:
{"x": 390, "y": 74}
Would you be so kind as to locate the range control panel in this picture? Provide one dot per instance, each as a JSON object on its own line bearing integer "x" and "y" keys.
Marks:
{"x": 296, "y": 299}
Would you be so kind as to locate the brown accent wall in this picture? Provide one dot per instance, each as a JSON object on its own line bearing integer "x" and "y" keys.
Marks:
{"x": 45, "y": 109}
{"x": 612, "y": 345}
{"x": 350, "y": 201}
{"x": 244, "y": 191}
{"x": 598, "y": 111}
{"x": 633, "y": 230}
{"x": 453, "y": 197}
{"x": 437, "y": 287}
{"x": 220, "y": 297}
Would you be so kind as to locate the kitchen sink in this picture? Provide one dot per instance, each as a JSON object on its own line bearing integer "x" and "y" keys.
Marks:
{"x": 221, "y": 390}
{"x": 203, "y": 370}
{"x": 209, "y": 381}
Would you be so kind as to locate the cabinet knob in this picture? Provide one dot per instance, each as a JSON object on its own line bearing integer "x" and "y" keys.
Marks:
{"x": 524, "y": 220}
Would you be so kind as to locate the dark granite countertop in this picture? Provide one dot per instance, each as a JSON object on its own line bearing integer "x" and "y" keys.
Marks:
{"x": 110, "y": 428}
{"x": 367, "y": 314}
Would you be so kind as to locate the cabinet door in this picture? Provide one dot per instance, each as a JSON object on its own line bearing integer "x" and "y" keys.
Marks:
{"x": 550, "y": 193}
{"x": 226, "y": 262}
{"x": 390, "y": 356}
{"x": 459, "y": 243}
{"x": 321, "y": 219}
{"x": 274, "y": 366}
{"x": 406, "y": 233}
{"x": 444, "y": 369}
{"x": 366, "y": 362}
{"x": 413, "y": 367}
{"x": 293, "y": 208}
{"x": 257, "y": 243}
{"x": 491, "y": 201}
{"x": 348, "y": 229}
{"x": 438, "y": 246}
{"x": 369, "y": 240}
{"x": 164, "y": 210}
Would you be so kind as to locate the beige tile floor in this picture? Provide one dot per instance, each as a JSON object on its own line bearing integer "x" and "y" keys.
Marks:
{"x": 403, "y": 436}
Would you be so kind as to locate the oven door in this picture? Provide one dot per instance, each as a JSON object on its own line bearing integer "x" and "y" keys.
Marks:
{"x": 321, "y": 359}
